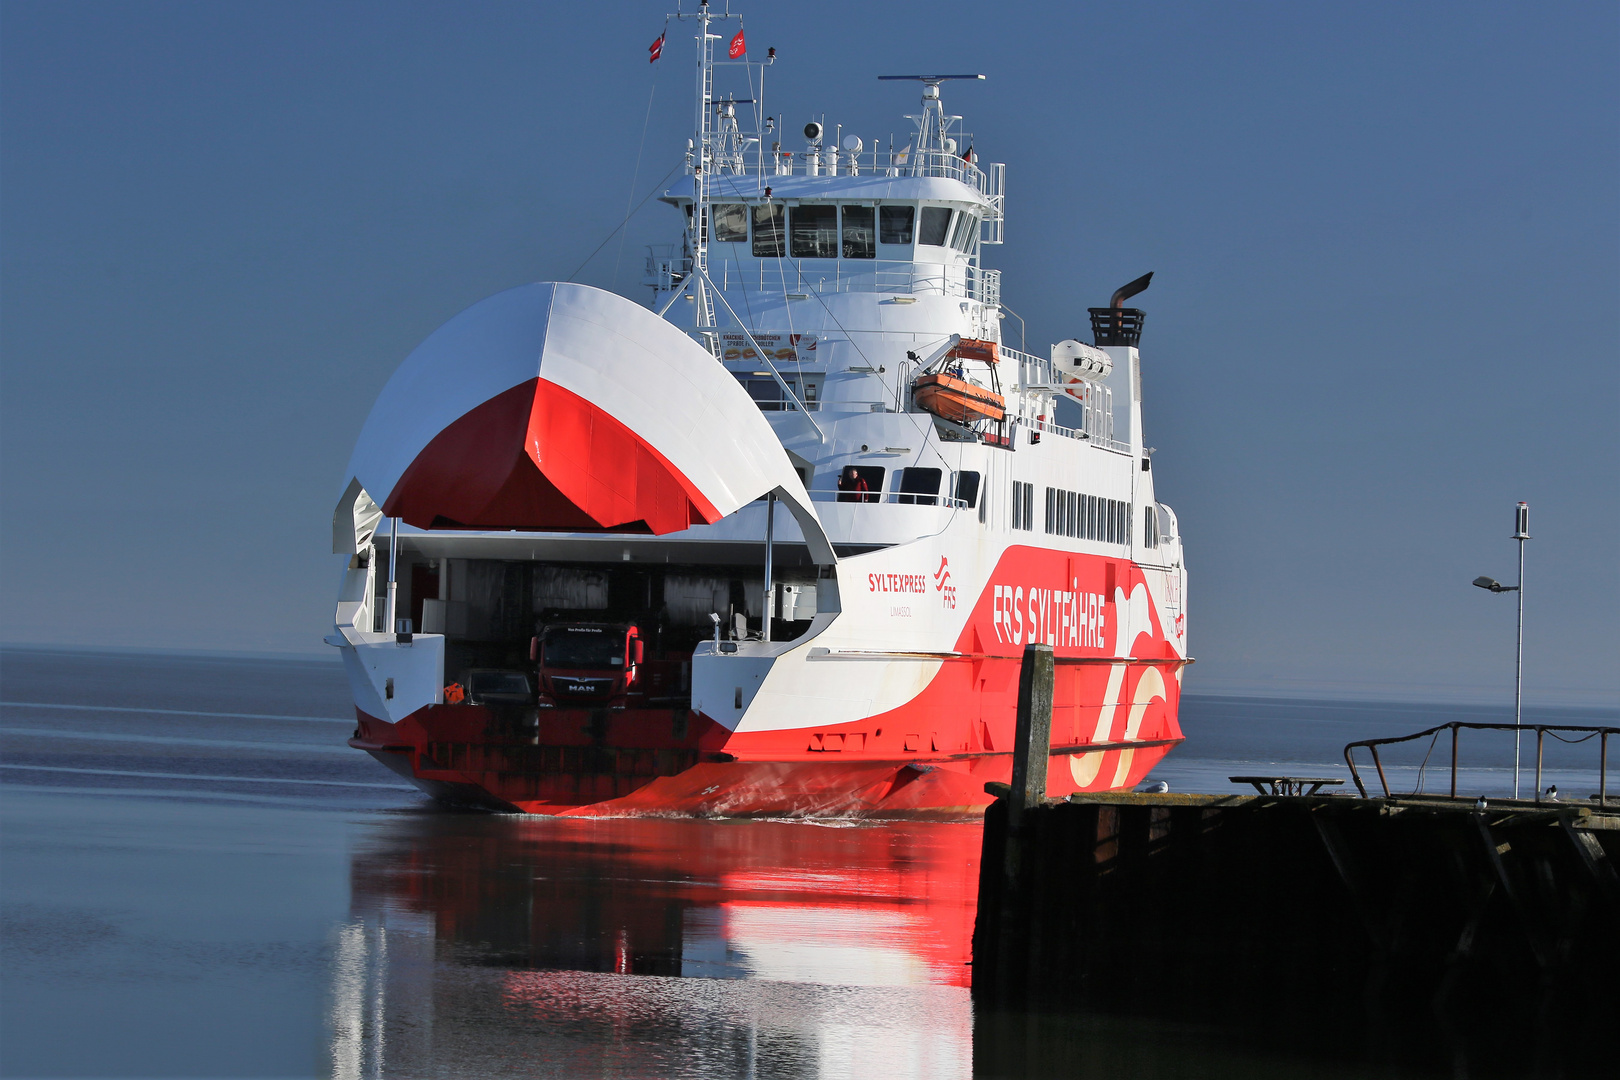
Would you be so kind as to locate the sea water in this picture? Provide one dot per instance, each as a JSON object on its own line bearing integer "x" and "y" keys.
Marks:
{"x": 199, "y": 878}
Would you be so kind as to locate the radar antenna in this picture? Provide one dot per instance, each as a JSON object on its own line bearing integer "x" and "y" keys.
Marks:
{"x": 933, "y": 126}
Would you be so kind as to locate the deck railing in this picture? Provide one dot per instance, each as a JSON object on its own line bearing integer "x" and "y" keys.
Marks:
{"x": 1457, "y": 726}
{"x": 989, "y": 180}
{"x": 792, "y": 276}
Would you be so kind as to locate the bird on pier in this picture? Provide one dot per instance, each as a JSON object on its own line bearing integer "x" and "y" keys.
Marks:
{"x": 1552, "y": 793}
{"x": 1479, "y": 804}
{"x": 1158, "y": 787}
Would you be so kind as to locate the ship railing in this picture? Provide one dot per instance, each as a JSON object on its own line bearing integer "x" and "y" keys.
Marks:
{"x": 873, "y": 498}
{"x": 785, "y": 404}
{"x": 1047, "y": 427}
{"x": 1456, "y": 727}
{"x": 666, "y": 267}
{"x": 791, "y": 277}
{"x": 1096, "y": 402}
{"x": 915, "y": 498}
{"x": 989, "y": 180}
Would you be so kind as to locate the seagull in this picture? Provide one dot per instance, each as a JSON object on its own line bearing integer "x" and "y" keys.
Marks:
{"x": 1479, "y": 804}
{"x": 1158, "y": 787}
{"x": 1552, "y": 793}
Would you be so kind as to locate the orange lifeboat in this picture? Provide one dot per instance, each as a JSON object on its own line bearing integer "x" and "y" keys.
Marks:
{"x": 975, "y": 349}
{"x": 955, "y": 399}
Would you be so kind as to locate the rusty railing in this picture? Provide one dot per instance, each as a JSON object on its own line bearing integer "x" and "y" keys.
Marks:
{"x": 1456, "y": 726}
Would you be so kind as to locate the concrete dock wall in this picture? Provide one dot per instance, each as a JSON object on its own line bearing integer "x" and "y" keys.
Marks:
{"x": 1477, "y": 941}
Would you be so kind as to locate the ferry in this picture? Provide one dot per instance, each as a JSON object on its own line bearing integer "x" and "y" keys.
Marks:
{"x": 770, "y": 539}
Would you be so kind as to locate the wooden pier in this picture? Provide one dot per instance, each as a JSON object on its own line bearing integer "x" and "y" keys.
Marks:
{"x": 1473, "y": 940}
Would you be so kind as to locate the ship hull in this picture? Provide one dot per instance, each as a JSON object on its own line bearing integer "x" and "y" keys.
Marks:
{"x": 595, "y": 464}
{"x": 930, "y": 758}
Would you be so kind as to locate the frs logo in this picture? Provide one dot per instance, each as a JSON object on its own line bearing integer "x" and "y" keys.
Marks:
{"x": 942, "y": 583}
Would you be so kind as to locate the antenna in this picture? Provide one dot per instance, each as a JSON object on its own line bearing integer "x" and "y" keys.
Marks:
{"x": 933, "y": 126}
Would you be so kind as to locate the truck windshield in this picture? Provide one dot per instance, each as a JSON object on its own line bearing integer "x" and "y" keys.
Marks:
{"x": 584, "y": 647}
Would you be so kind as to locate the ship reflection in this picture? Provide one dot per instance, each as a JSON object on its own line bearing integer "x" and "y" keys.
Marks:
{"x": 493, "y": 945}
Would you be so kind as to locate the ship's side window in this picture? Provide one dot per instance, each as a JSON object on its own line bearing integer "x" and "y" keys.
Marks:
{"x": 860, "y": 483}
{"x": 731, "y": 223}
{"x": 984, "y": 502}
{"x": 1150, "y": 527}
{"x": 1023, "y": 505}
{"x": 936, "y": 225}
{"x": 1069, "y": 517}
{"x": 965, "y": 490}
{"x": 860, "y": 238}
{"x": 769, "y": 241}
{"x": 1051, "y": 508}
{"x": 894, "y": 224}
{"x": 919, "y": 486}
{"x": 768, "y": 394}
{"x": 813, "y": 232}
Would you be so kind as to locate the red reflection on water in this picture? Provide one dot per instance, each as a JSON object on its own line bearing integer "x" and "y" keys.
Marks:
{"x": 872, "y": 905}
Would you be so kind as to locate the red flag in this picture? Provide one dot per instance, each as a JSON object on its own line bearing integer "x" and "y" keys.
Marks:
{"x": 738, "y": 46}
{"x": 657, "y": 47}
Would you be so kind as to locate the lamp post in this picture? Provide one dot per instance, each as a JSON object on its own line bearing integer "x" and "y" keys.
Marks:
{"x": 1521, "y": 533}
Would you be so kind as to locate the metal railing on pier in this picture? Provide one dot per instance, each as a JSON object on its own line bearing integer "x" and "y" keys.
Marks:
{"x": 1457, "y": 726}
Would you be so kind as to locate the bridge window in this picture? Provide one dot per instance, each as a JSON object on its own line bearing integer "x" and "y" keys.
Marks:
{"x": 813, "y": 232}
{"x": 919, "y": 486}
{"x": 936, "y": 226}
{"x": 966, "y": 228}
{"x": 894, "y": 224}
{"x": 860, "y": 238}
{"x": 768, "y": 231}
{"x": 731, "y": 223}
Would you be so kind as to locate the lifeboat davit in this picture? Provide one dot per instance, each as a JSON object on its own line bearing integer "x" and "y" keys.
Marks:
{"x": 951, "y": 398}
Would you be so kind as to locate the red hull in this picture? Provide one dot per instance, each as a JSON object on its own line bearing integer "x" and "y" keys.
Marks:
{"x": 1114, "y": 716}
{"x": 660, "y": 761}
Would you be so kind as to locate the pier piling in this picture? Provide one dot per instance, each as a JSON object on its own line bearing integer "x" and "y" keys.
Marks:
{"x": 1032, "y": 742}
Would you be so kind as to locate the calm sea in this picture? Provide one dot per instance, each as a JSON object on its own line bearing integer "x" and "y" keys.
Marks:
{"x": 198, "y": 878}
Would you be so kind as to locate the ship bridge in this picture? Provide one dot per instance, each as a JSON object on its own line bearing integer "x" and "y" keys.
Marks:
{"x": 834, "y": 217}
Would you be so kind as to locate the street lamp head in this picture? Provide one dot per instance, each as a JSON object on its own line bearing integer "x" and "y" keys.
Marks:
{"x": 1488, "y": 583}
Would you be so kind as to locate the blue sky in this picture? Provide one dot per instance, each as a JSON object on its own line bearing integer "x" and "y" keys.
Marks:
{"x": 1385, "y": 240}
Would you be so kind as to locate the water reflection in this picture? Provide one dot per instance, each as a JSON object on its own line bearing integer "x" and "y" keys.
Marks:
{"x": 483, "y": 945}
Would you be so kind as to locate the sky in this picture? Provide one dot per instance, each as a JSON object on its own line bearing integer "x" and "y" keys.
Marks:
{"x": 1386, "y": 241}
